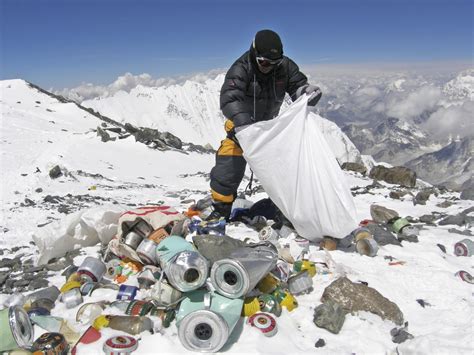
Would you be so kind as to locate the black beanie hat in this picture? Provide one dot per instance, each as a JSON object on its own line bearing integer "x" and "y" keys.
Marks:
{"x": 268, "y": 44}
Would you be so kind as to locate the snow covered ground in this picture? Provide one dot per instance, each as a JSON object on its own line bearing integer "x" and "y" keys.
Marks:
{"x": 37, "y": 133}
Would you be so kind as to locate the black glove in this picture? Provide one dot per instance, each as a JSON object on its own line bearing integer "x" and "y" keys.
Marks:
{"x": 313, "y": 91}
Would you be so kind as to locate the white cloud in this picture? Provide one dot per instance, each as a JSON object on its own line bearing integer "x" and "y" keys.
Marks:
{"x": 417, "y": 102}
{"x": 455, "y": 120}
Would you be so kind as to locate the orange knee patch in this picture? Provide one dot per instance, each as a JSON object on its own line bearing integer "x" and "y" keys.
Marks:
{"x": 221, "y": 198}
{"x": 229, "y": 148}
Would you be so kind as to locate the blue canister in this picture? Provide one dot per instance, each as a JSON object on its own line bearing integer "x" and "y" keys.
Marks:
{"x": 215, "y": 227}
{"x": 185, "y": 268}
{"x": 205, "y": 320}
{"x": 127, "y": 293}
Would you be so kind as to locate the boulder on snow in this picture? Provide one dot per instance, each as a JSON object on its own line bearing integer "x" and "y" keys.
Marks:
{"x": 55, "y": 172}
{"x": 399, "y": 175}
{"x": 104, "y": 136}
{"x": 467, "y": 190}
{"x": 424, "y": 195}
{"x": 382, "y": 214}
{"x": 382, "y": 235}
{"x": 330, "y": 316}
{"x": 354, "y": 297}
{"x": 357, "y": 167}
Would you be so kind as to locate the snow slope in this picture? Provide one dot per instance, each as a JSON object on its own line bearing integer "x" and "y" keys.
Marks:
{"x": 126, "y": 173}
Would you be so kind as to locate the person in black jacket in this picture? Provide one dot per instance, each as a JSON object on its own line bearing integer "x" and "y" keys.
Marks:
{"x": 253, "y": 90}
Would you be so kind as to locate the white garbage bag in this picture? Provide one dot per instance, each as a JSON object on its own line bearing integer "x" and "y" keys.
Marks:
{"x": 299, "y": 172}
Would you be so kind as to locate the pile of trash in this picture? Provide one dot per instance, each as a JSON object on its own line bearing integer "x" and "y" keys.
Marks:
{"x": 164, "y": 266}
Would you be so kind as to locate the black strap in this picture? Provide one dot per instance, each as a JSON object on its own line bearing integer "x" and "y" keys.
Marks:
{"x": 249, "y": 185}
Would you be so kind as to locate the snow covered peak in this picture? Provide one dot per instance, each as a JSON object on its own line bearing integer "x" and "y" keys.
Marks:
{"x": 461, "y": 87}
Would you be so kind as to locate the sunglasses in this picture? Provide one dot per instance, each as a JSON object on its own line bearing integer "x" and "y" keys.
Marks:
{"x": 265, "y": 62}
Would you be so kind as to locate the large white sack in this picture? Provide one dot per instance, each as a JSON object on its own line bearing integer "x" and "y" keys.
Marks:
{"x": 297, "y": 169}
{"x": 79, "y": 229}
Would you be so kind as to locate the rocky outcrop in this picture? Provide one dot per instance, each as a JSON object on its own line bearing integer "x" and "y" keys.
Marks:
{"x": 397, "y": 175}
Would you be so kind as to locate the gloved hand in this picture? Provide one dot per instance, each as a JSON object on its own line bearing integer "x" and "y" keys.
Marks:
{"x": 313, "y": 91}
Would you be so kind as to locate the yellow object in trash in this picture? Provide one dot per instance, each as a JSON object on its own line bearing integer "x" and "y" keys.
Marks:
{"x": 268, "y": 284}
{"x": 69, "y": 286}
{"x": 305, "y": 264}
{"x": 93, "y": 187}
{"x": 74, "y": 277}
{"x": 101, "y": 322}
{"x": 285, "y": 299}
{"x": 251, "y": 306}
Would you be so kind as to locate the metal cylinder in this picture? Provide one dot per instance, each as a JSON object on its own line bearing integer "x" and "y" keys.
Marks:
{"x": 164, "y": 294}
{"x": 16, "y": 330}
{"x": 133, "y": 239}
{"x": 237, "y": 275}
{"x": 265, "y": 323}
{"x": 113, "y": 268}
{"x": 368, "y": 247}
{"x": 147, "y": 251}
{"x": 268, "y": 234}
{"x": 206, "y": 320}
{"x": 51, "y": 293}
{"x": 91, "y": 269}
{"x": 131, "y": 324}
{"x": 120, "y": 345}
{"x": 72, "y": 298}
{"x": 300, "y": 282}
{"x": 464, "y": 247}
{"x": 361, "y": 233}
{"x": 465, "y": 276}
{"x": 185, "y": 268}
{"x": 399, "y": 223}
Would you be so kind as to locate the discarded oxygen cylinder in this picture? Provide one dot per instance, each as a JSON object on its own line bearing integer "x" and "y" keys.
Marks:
{"x": 399, "y": 224}
{"x": 238, "y": 274}
{"x": 91, "y": 270}
{"x": 120, "y": 345}
{"x": 367, "y": 247}
{"x": 185, "y": 268}
{"x": 133, "y": 239}
{"x": 164, "y": 294}
{"x": 147, "y": 251}
{"x": 206, "y": 320}
{"x": 52, "y": 293}
{"x": 361, "y": 233}
{"x": 16, "y": 330}
{"x": 72, "y": 298}
{"x": 148, "y": 276}
{"x": 50, "y": 343}
{"x": 464, "y": 247}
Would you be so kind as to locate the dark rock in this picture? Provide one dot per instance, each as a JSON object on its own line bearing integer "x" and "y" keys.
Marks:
{"x": 130, "y": 128}
{"x": 21, "y": 283}
{"x": 10, "y": 263}
{"x": 428, "y": 218}
{"x": 357, "y": 167}
{"x": 330, "y": 316}
{"x": 442, "y": 247}
{"x": 445, "y": 204}
{"x": 3, "y": 277}
{"x": 64, "y": 209}
{"x": 408, "y": 238}
{"x": 423, "y": 303}
{"x": 397, "y": 195}
{"x": 34, "y": 269}
{"x": 320, "y": 343}
{"x": 55, "y": 172}
{"x": 171, "y": 140}
{"x": 381, "y": 214}
{"x": 457, "y": 231}
{"x": 354, "y": 297}
{"x": 104, "y": 136}
{"x": 459, "y": 220}
{"x": 29, "y": 202}
{"x": 38, "y": 283}
{"x": 422, "y": 196}
{"x": 467, "y": 189}
{"x": 382, "y": 235}
{"x": 397, "y": 175}
{"x": 400, "y": 335}
{"x": 59, "y": 265}
{"x": 39, "y": 189}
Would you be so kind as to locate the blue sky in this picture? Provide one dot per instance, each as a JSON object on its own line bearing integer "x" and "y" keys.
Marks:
{"x": 64, "y": 43}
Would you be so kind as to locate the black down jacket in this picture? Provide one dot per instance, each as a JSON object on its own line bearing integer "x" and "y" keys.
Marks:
{"x": 248, "y": 96}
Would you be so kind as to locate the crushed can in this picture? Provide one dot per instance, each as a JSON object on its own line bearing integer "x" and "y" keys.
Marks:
{"x": 16, "y": 330}
{"x": 127, "y": 293}
{"x": 281, "y": 271}
{"x": 237, "y": 275}
{"x": 148, "y": 276}
{"x": 305, "y": 264}
{"x": 251, "y": 306}
{"x": 464, "y": 247}
{"x": 120, "y": 345}
{"x": 147, "y": 251}
{"x": 268, "y": 234}
{"x": 185, "y": 268}
{"x": 269, "y": 304}
{"x": 72, "y": 298}
{"x": 285, "y": 299}
{"x": 368, "y": 247}
{"x": 164, "y": 294}
{"x": 51, "y": 344}
{"x": 215, "y": 227}
{"x": 300, "y": 282}
{"x": 91, "y": 270}
{"x": 268, "y": 284}
{"x": 265, "y": 323}
{"x": 206, "y": 320}
{"x": 138, "y": 308}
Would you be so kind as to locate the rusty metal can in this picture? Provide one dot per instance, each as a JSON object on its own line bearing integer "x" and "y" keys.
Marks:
{"x": 120, "y": 345}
